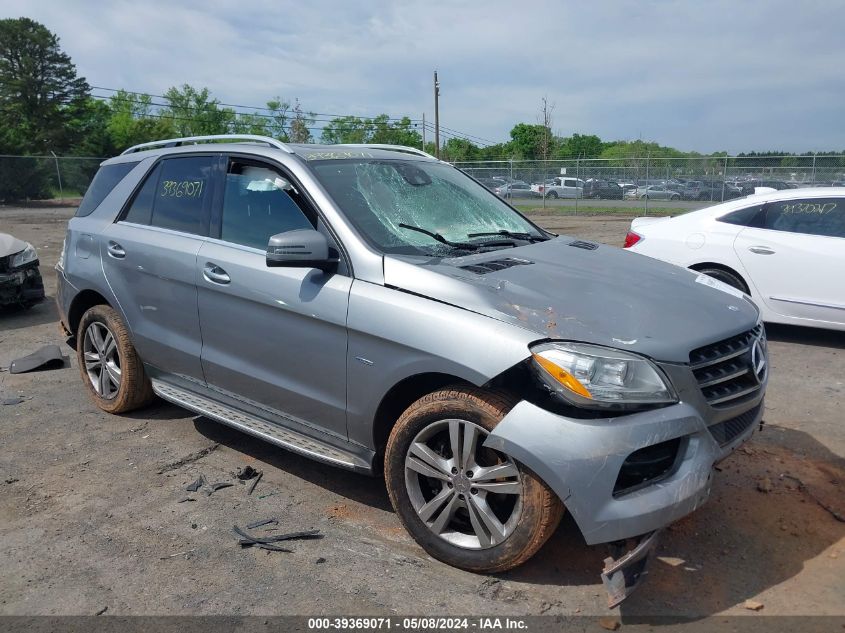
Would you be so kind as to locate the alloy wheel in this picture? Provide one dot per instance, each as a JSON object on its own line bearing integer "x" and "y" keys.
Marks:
{"x": 102, "y": 361}
{"x": 466, "y": 494}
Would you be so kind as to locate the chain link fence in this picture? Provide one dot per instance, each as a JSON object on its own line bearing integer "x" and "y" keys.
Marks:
{"x": 38, "y": 179}
{"x": 639, "y": 183}
{"x": 633, "y": 184}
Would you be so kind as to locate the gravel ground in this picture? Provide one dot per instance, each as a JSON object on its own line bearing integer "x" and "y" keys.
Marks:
{"x": 91, "y": 518}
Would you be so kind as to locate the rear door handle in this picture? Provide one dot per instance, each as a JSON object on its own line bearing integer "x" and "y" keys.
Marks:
{"x": 761, "y": 250}
{"x": 215, "y": 274}
{"x": 115, "y": 250}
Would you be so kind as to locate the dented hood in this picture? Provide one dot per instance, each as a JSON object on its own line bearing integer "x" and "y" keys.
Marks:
{"x": 606, "y": 296}
{"x": 10, "y": 245}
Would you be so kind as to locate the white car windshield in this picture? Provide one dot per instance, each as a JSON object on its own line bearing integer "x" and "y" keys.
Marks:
{"x": 421, "y": 208}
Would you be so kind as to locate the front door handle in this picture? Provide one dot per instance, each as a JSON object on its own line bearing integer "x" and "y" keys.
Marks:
{"x": 115, "y": 250}
{"x": 761, "y": 250}
{"x": 215, "y": 274}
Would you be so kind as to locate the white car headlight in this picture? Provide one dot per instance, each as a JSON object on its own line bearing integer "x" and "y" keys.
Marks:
{"x": 599, "y": 377}
{"x": 25, "y": 256}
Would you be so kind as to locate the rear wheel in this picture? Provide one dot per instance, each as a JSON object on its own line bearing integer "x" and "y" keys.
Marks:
{"x": 110, "y": 367}
{"x": 725, "y": 276}
{"x": 553, "y": 195}
{"x": 466, "y": 505}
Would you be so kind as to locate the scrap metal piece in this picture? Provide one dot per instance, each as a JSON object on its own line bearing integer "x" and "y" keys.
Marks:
{"x": 212, "y": 488}
{"x": 11, "y": 401}
{"x": 196, "y": 485}
{"x": 48, "y": 357}
{"x": 245, "y": 474}
{"x": 255, "y": 482}
{"x": 255, "y": 524}
{"x": 248, "y": 541}
{"x": 622, "y": 575}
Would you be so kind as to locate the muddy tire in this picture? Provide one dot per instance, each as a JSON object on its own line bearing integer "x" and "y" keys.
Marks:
{"x": 108, "y": 363}
{"x": 468, "y": 506}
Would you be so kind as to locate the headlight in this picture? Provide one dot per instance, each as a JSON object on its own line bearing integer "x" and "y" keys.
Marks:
{"x": 24, "y": 257}
{"x": 599, "y": 377}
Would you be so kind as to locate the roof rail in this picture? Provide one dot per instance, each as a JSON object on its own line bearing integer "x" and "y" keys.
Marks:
{"x": 176, "y": 142}
{"x": 395, "y": 148}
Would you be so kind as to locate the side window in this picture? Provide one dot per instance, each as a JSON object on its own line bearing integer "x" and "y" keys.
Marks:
{"x": 749, "y": 216}
{"x": 259, "y": 202}
{"x": 820, "y": 216}
{"x": 141, "y": 209}
{"x": 569, "y": 183}
{"x": 183, "y": 192}
{"x": 106, "y": 179}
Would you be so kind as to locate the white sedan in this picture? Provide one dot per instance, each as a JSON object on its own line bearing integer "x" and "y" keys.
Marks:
{"x": 785, "y": 248}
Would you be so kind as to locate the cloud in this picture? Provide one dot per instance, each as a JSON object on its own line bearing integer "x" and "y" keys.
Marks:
{"x": 720, "y": 75}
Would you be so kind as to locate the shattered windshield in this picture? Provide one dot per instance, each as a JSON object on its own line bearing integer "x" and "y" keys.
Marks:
{"x": 421, "y": 208}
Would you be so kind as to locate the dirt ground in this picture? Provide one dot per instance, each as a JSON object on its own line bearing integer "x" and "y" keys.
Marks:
{"x": 92, "y": 517}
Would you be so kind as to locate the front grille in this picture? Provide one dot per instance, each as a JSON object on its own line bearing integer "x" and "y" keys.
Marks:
{"x": 726, "y": 432}
{"x": 724, "y": 370}
{"x": 483, "y": 268}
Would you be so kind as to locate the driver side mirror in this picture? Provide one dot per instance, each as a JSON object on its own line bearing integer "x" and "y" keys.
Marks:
{"x": 300, "y": 248}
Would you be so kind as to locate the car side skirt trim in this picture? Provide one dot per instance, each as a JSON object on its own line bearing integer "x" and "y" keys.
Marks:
{"x": 815, "y": 304}
{"x": 258, "y": 427}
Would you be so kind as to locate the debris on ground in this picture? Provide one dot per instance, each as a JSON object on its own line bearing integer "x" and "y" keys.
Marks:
{"x": 255, "y": 482}
{"x": 670, "y": 560}
{"x": 11, "y": 401}
{"x": 611, "y": 624}
{"x": 102, "y": 611}
{"x": 199, "y": 483}
{"x": 753, "y": 605}
{"x": 188, "y": 459}
{"x": 266, "y": 542}
{"x": 186, "y": 499}
{"x": 12, "y": 480}
{"x": 48, "y": 357}
{"x": 320, "y": 561}
{"x": 255, "y": 524}
{"x": 186, "y": 554}
{"x": 212, "y": 488}
{"x": 245, "y": 474}
{"x": 764, "y": 485}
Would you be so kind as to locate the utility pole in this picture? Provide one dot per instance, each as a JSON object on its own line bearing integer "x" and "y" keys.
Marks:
{"x": 436, "y": 116}
{"x": 423, "y": 134}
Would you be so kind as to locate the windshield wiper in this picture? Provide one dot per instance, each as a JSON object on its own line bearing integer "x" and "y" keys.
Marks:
{"x": 515, "y": 235}
{"x": 439, "y": 238}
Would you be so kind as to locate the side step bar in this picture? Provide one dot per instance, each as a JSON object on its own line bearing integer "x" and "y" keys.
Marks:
{"x": 253, "y": 425}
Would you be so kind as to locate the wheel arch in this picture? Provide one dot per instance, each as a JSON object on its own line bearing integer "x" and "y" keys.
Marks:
{"x": 81, "y": 303}
{"x": 723, "y": 267}
{"x": 399, "y": 397}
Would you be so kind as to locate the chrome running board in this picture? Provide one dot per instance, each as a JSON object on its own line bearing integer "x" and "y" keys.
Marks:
{"x": 253, "y": 425}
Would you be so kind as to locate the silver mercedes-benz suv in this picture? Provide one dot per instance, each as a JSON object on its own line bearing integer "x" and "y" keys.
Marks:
{"x": 374, "y": 308}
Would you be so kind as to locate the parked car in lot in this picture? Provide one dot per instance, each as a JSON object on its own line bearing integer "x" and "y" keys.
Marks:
{"x": 785, "y": 249}
{"x": 516, "y": 189}
{"x": 374, "y": 308}
{"x": 604, "y": 189}
{"x": 653, "y": 192}
{"x": 20, "y": 278}
{"x": 562, "y": 187}
{"x": 749, "y": 186}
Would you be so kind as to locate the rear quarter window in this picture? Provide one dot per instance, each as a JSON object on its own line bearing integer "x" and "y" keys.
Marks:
{"x": 749, "y": 216}
{"x": 106, "y": 179}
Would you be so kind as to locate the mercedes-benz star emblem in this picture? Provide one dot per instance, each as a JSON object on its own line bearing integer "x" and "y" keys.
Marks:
{"x": 758, "y": 359}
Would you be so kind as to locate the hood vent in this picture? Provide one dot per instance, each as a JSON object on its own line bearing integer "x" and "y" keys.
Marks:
{"x": 482, "y": 268}
{"x": 587, "y": 246}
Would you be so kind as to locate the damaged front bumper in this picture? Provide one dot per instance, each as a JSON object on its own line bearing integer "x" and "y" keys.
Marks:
{"x": 624, "y": 571}
{"x": 591, "y": 464}
{"x": 21, "y": 286}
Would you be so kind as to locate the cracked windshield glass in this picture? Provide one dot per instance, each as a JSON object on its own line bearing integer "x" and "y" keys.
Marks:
{"x": 419, "y": 208}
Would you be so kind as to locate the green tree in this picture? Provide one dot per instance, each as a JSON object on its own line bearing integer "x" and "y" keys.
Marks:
{"x": 580, "y": 145}
{"x": 133, "y": 119}
{"x": 193, "y": 112}
{"x": 42, "y": 105}
{"x": 347, "y": 129}
{"x": 527, "y": 139}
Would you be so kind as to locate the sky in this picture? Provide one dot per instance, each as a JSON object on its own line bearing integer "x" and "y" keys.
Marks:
{"x": 695, "y": 75}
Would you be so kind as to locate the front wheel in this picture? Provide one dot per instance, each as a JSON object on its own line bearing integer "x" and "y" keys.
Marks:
{"x": 469, "y": 506}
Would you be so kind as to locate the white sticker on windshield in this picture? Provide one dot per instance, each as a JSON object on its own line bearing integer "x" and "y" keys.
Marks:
{"x": 719, "y": 285}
